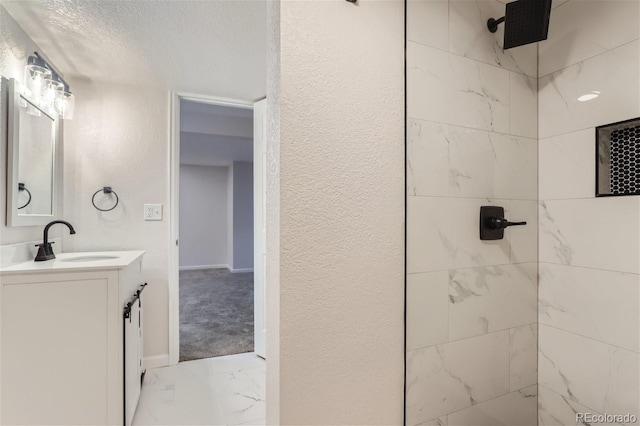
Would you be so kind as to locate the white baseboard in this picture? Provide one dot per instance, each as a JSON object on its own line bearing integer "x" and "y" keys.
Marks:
{"x": 156, "y": 361}
{"x": 235, "y": 271}
{"x": 192, "y": 268}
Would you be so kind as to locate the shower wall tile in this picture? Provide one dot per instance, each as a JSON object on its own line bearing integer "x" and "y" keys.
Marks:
{"x": 602, "y": 305}
{"x": 448, "y": 88}
{"x": 560, "y": 111}
{"x": 445, "y": 160}
{"x": 523, "y": 239}
{"x": 469, "y": 36}
{"x": 444, "y": 234}
{"x": 556, "y": 410}
{"x": 427, "y": 158}
{"x": 523, "y": 356}
{"x": 428, "y": 22}
{"x": 492, "y": 165}
{"x": 515, "y": 408}
{"x": 602, "y": 25}
{"x": 567, "y": 165}
{"x": 597, "y": 233}
{"x": 446, "y": 378}
{"x": 594, "y": 374}
{"x": 471, "y": 141}
{"x": 485, "y": 300}
{"x": 524, "y": 105}
{"x": 441, "y": 421}
{"x": 554, "y": 3}
{"x": 427, "y": 309}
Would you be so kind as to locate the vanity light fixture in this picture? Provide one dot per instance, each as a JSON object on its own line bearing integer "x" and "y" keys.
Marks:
{"x": 48, "y": 88}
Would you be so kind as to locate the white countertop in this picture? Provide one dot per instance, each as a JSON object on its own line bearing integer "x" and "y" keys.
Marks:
{"x": 120, "y": 260}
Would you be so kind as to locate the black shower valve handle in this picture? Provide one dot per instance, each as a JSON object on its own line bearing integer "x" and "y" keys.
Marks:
{"x": 502, "y": 223}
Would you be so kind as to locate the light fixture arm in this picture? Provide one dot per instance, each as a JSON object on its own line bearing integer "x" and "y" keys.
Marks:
{"x": 55, "y": 74}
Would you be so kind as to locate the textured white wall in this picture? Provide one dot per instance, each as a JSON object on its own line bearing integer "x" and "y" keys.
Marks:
{"x": 272, "y": 291}
{"x": 341, "y": 213}
{"x": 15, "y": 48}
{"x": 242, "y": 215}
{"x": 214, "y": 150}
{"x": 203, "y": 216}
{"x": 119, "y": 138}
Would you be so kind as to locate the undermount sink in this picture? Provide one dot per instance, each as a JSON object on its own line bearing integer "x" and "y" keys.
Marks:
{"x": 88, "y": 258}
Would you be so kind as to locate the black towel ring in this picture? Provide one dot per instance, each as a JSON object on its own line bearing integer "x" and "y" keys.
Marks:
{"x": 21, "y": 187}
{"x": 106, "y": 190}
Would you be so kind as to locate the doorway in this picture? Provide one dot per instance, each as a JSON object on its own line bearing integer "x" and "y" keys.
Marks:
{"x": 216, "y": 301}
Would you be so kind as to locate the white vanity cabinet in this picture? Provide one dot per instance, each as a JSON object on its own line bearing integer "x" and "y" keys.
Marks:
{"x": 67, "y": 354}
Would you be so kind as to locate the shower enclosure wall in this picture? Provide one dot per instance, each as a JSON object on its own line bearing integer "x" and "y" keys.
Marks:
{"x": 589, "y": 247}
{"x": 476, "y": 310}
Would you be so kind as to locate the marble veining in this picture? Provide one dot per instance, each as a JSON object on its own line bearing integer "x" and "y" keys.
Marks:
{"x": 227, "y": 390}
{"x": 569, "y": 166}
{"x": 569, "y": 230}
{"x": 515, "y": 408}
{"x": 452, "y": 376}
{"x": 523, "y": 356}
{"x": 603, "y": 25}
{"x": 473, "y": 94}
{"x": 555, "y": 409}
{"x": 444, "y": 235}
{"x": 490, "y": 299}
{"x": 446, "y": 160}
{"x": 468, "y": 36}
{"x": 561, "y": 248}
{"x": 471, "y": 141}
{"x": 442, "y": 421}
{"x": 561, "y": 112}
{"x": 591, "y": 303}
{"x": 594, "y": 374}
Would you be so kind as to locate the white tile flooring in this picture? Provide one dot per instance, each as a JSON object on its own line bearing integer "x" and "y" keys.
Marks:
{"x": 228, "y": 390}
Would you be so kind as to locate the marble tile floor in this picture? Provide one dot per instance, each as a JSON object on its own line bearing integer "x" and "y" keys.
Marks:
{"x": 227, "y": 390}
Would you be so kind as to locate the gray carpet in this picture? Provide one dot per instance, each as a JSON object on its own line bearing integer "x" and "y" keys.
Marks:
{"x": 216, "y": 313}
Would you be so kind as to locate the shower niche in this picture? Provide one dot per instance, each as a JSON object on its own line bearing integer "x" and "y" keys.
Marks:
{"x": 618, "y": 159}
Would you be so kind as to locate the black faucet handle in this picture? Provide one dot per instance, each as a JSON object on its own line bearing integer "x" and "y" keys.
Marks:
{"x": 41, "y": 244}
{"x": 502, "y": 223}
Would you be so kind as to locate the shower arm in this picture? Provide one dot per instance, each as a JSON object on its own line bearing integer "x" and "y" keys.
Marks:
{"x": 492, "y": 24}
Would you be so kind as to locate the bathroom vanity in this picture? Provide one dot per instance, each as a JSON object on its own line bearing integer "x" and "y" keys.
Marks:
{"x": 71, "y": 339}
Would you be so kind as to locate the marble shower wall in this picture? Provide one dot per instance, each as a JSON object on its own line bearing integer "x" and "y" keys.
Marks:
{"x": 472, "y": 141}
{"x": 589, "y": 248}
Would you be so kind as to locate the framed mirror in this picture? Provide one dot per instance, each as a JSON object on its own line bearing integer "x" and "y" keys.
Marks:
{"x": 33, "y": 178}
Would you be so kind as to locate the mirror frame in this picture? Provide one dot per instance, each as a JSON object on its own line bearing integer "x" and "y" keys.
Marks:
{"x": 15, "y": 90}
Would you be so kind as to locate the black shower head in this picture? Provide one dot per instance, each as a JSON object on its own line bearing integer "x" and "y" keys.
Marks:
{"x": 526, "y": 21}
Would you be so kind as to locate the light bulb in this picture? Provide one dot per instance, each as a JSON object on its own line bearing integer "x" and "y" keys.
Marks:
{"x": 52, "y": 91}
{"x": 36, "y": 79}
{"x": 65, "y": 105}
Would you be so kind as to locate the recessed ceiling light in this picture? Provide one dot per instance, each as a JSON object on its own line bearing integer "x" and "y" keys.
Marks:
{"x": 589, "y": 96}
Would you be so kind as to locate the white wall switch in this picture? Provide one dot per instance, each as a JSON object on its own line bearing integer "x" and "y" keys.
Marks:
{"x": 153, "y": 212}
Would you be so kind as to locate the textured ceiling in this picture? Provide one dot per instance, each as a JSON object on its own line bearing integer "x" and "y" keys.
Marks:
{"x": 211, "y": 47}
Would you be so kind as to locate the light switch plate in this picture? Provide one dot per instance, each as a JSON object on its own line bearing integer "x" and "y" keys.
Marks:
{"x": 153, "y": 212}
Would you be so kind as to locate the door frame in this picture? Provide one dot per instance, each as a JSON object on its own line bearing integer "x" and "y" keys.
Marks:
{"x": 174, "y": 205}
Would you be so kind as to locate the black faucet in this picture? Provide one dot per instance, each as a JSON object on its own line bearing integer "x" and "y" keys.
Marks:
{"x": 45, "y": 251}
